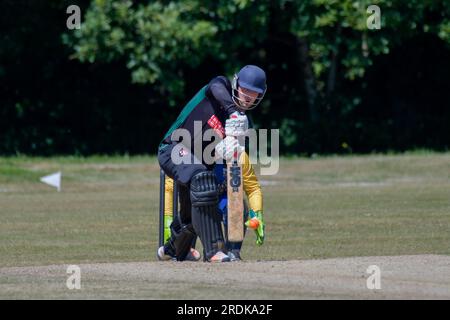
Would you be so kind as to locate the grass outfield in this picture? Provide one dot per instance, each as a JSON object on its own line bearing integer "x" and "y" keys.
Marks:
{"x": 377, "y": 205}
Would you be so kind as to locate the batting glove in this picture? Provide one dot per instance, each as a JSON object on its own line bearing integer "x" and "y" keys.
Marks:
{"x": 226, "y": 148}
{"x": 236, "y": 125}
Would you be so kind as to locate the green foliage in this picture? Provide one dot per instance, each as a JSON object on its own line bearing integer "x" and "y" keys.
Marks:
{"x": 155, "y": 38}
{"x": 148, "y": 37}
{"x": 340, "y": 27}
{"x": 106, "y": 88}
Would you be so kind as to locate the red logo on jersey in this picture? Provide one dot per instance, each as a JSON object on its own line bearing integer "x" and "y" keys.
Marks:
{"x": 215, "y": 123}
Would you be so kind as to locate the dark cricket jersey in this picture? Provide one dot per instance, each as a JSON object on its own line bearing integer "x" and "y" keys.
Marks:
{"x": 211, "y": 106}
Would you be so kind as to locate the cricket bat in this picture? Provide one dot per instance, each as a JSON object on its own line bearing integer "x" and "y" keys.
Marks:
{"x": 235, "y": 200}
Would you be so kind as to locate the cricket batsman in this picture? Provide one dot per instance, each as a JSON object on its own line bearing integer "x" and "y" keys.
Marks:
{"x": 254, "y": 216}
{"x": 198, "y": 188}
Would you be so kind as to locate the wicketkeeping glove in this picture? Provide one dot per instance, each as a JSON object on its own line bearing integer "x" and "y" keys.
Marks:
{"x": 167, "y": 222}
{"x": 256, "y": 222}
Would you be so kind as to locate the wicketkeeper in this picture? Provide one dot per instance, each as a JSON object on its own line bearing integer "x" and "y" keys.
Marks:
{"x": 198, "y": 187}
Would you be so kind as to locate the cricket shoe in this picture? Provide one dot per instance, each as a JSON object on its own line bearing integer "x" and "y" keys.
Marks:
{"x": 219, "y": 257}
{"x": 235, "y": 255}
{"x": 193, "y": 255}
{"x": 163, "y": 255}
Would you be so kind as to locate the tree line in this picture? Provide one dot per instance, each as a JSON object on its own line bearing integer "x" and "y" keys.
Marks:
{"x": 116, "y": 84}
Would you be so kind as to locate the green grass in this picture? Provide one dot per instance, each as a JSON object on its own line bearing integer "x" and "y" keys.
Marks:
{"x": 315, "y": 208}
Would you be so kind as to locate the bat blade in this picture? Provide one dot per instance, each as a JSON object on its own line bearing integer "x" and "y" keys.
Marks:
{"x": 235, "y": 202}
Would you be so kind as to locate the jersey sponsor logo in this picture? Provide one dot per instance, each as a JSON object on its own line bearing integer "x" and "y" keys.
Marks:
{"x": 215, "y": 124}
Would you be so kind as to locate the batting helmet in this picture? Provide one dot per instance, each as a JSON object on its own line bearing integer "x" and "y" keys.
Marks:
{"x": 252, "y": 78}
